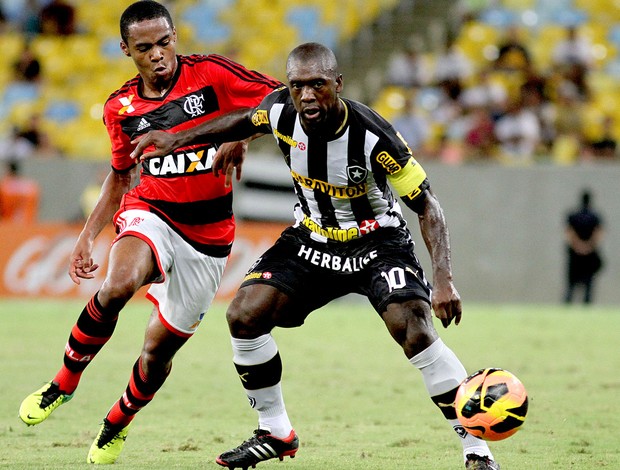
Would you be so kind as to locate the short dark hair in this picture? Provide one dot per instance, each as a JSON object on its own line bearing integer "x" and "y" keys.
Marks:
{"x": 141, "y": 11}
{"x": 314, "y": 51}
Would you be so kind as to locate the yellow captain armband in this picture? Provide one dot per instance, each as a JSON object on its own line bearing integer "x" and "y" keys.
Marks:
{"x": 408, "y": 181}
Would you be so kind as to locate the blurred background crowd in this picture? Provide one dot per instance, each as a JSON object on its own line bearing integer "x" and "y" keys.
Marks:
{"x": 508, "y": 81}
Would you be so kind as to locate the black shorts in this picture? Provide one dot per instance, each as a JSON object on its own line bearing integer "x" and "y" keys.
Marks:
{"x": 381, "y": 266}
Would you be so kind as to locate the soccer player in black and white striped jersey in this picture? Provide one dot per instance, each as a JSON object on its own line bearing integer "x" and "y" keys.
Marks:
{"x": 349, "y": 236}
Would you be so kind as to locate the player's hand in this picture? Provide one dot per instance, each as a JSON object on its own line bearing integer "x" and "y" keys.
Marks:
{"x": 162, "y": 142}
{"x": 81, "y": 265}
{"x": 229, "y": 159}
{"x": 446, "y": 303}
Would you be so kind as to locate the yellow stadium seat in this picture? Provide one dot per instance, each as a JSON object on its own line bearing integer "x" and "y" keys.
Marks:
{"x": 390, "y": 101}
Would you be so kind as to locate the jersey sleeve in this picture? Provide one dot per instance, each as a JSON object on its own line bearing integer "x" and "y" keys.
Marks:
{"x": 393, "y": 155}
{"x": 121, "y": 146}
{"x": 261, "y": 117}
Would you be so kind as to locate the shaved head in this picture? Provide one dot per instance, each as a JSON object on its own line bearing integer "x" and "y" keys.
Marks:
{"x": 321, "y": 56}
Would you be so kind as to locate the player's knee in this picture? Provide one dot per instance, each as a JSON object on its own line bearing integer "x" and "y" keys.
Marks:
{"x": 247, "y": 317}
{"x": 115, "y": 295}
{"x": 241, "y": 322}
{"x": 410, "y": 324}
{"x": 118, "y": 289}
{"x": 154, "y": 366}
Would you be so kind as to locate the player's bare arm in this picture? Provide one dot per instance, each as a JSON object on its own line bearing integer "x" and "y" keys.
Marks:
{"x": 446, "y": 301}
{"x": 81, "y": 264}
{"x": 230, "y": 127}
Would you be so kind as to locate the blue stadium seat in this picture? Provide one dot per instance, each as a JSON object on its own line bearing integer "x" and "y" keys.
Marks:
{"x": 307, "y": 21}
{"x": 204, "y": 19}
{"x": 16, "y": 93}
{"x": 498, "y": 17}
{"x": 62, "y": 110}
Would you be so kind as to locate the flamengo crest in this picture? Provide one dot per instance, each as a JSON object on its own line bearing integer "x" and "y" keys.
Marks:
{"x": 194, "y": 105}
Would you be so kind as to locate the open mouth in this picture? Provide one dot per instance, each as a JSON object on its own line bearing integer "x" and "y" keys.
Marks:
{"x": 312, "y": 114}
{"x": 160, "y": 70}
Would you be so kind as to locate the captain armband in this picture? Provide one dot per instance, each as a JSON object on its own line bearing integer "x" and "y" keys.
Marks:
{"x": 416, "y": 200}
{"x": 409, "y": 180}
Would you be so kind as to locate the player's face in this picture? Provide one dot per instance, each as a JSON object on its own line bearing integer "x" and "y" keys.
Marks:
{"x": 315, "y": 95}
{"x": 152, "y": 46}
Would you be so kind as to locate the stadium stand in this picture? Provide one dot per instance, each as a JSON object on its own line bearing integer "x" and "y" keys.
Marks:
{"x": 78, "y": 70}
{"x": 544, "y": 25}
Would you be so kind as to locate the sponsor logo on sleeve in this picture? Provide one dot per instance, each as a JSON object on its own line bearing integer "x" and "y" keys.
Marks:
{"x": 260, "y": 117}
{"x": 387, "y": 162}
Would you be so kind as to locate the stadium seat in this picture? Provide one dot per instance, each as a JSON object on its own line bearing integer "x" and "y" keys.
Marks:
{"x": 62, "y": 110}
{"x": 206, "y": 24}
{"x": 16, "y": 93}
{"x": 498, "y": 17}
{"x": 476, "y": 38}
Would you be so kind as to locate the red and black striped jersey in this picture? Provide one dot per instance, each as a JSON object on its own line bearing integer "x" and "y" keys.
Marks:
{"x": 180, "y": 187}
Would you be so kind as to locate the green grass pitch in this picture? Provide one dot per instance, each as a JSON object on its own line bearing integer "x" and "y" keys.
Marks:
{"x": 354, "y": 400}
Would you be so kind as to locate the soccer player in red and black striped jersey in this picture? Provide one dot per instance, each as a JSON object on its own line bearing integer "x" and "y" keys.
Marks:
{"x": 349, "y": 236}
{"x": 175, "y": 228}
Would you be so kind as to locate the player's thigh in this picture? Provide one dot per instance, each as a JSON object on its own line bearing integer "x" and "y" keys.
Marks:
{"x": 131, "y": 264}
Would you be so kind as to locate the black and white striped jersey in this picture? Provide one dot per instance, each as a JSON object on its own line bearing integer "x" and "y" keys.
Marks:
{"x": 342, "y": 180}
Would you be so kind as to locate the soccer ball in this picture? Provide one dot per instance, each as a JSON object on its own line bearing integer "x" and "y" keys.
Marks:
{"x": 491, "y": 404}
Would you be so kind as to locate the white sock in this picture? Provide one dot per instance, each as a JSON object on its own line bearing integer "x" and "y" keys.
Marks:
{"x": 442, "y": 371}
{"x": 268, "y": 401}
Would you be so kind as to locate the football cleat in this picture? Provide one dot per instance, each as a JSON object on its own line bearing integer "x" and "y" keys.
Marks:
{"x": 108, "y": 444}
{"x": 37, "y": 406}
{"x": 261, "y": 446}
{"x": 479, "y": 462}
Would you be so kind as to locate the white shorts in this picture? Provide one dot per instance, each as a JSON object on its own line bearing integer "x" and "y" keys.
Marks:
{"x": 190, "y": 278}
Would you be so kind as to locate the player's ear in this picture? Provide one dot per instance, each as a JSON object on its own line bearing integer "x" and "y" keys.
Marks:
{"x": 125, "y": 49}
{"x": 339, "y": 83}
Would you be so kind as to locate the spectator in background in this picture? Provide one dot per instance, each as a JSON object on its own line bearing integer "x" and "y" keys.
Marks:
{"x": 518, "y": 134}
{"x": 485, "y": 93}
{"x": 573, "y": 58}
{"x": 19, "y": 196}
{"x": 408, "y": 68}
{"x": 413, "y": 126}
{"x": 573, "y": 49}
{"x": 452, "y": 65}
{"x": 33, "y": 135}
{"x": 15, "y": 148}
{"x": 513, "y": 55}
{"x": 452, "y": 68}
{"x": 584, "y": 232}
{"x": 27, "y": 67}
{"x": 533, "y": 93}
{"x": 58, "y": 18}
{"x": 480, "y": 142}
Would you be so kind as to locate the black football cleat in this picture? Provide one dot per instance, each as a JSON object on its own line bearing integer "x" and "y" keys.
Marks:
{"x": 261, "y": 446}
{"x": 479, "y": 462}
